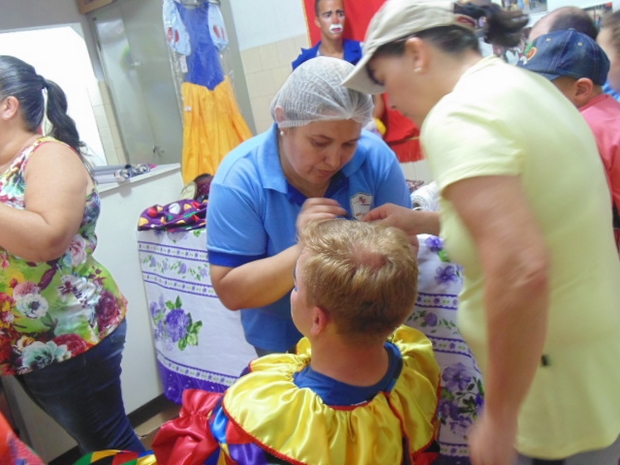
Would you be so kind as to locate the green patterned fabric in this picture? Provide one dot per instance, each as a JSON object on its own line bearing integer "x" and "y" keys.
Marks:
{"x": 55, "y": 310}
{"x": 117, "y": 457}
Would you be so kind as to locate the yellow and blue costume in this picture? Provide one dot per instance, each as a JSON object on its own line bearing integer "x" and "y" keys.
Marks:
{"x": 265, "y": 418}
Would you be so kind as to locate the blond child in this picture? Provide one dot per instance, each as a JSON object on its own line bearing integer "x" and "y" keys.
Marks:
{"x": 361, "y": 388}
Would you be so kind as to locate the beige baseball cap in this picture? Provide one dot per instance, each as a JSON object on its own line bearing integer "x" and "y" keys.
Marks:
{"x": 395, "y": 20}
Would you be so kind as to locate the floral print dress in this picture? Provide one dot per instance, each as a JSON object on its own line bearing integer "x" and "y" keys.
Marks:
{"x": 55, "y": 310}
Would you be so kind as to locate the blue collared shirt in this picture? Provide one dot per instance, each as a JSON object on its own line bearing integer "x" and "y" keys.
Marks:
{"x": 609, "y": 90}
{"x": 253, "y": 210}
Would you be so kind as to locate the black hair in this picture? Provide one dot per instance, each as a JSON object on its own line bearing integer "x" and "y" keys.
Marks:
{"x": 20, "y": 80}
{"x": 501, "y": 28}
{"x": 574, "y": 18}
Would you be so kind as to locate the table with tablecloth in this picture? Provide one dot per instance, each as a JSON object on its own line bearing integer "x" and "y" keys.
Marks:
{"x": 199, "y": 343}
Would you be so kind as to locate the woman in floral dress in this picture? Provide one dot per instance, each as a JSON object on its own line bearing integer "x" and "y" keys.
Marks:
{"x": 62, "y": 316}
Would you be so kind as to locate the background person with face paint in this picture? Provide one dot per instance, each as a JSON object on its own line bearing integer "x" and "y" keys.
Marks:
{"x": 314, "y": 163}
{"x": 400, "y": 134}
{"x": 330, "y": 18}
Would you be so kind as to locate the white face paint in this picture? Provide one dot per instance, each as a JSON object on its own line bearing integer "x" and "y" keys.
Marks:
{"x": 336, "y": 28}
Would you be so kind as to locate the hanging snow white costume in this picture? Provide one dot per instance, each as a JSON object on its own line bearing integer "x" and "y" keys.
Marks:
{"x": 264, "y": 418}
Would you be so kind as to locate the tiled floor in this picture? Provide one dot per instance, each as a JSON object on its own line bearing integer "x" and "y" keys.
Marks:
{"x": 148, "y": 429}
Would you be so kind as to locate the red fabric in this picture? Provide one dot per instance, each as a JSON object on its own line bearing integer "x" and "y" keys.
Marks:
{"x": 359, "y": 14}
{"x": 408, "y": 150}
{"x": 426, "y": 458}
{"x": 402, "y": 135}
{"x": 125, "y": 456}
{"x": 187, "y": 440}
{"x": 603, "y": 116}
{"x": 12, "y": 450}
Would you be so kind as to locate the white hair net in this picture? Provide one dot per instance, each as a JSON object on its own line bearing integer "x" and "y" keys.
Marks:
{"x": 313, "y": 92}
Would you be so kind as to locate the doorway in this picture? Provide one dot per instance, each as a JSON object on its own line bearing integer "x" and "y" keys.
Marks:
{"x": 135, "y": 62}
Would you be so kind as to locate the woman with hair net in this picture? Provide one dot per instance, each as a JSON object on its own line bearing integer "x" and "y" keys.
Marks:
{"x": 314, "y": 163}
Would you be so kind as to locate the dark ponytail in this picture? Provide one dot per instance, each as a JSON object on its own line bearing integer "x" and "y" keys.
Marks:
{"x": 63, "y": 127}
{"x": 501, "y": 27}
{"x": 20, "y": 80}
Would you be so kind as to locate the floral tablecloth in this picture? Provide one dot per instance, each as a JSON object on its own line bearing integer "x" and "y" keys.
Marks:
{"x": 199, "y": 343}
{"x": 439, "y": 284}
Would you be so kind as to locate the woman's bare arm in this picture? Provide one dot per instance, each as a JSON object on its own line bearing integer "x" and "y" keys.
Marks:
{"x": 55, "y": 198}
{"x": 516, "y": 264}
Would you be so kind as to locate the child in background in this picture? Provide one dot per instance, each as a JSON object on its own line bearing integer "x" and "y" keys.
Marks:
{"x": 361, "y": 389}
{"x": 578, "y": 67}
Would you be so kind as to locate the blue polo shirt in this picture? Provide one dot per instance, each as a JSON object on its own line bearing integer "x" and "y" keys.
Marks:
{"x": 253, "y": 211}
{"x": 610, "y": 90}
{"x": 352, "y": 53}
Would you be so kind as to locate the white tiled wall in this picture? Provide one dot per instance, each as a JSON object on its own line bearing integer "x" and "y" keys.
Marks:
{"x": 266, "y": 68}
{"x": 106, "y": 123}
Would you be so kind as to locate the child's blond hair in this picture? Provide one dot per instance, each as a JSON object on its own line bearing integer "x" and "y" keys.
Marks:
{"x": 364, "y": 275}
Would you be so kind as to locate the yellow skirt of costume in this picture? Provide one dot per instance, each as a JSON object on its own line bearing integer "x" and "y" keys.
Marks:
{"x": 265, "y": 411}
{"x": 212, "y": 126}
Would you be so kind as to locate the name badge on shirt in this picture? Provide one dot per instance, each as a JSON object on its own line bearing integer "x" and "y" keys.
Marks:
{"x": 361, "y": 204}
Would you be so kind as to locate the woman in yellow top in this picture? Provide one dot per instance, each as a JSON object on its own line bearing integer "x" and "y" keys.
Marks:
{"x": 526, "y": 211}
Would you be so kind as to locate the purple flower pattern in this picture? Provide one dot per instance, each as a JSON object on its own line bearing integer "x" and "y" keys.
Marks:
{"x": 434, "y": 243}
{"x": 177, "y": 322}
{"x": 173, "y": 324}
{"x": 182, "y": 364}
{"x": 435, "y": 315}
{"x": 447, "y": 274}
{"x": 456, "y": 377}
{"x": 431, "y": 319}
